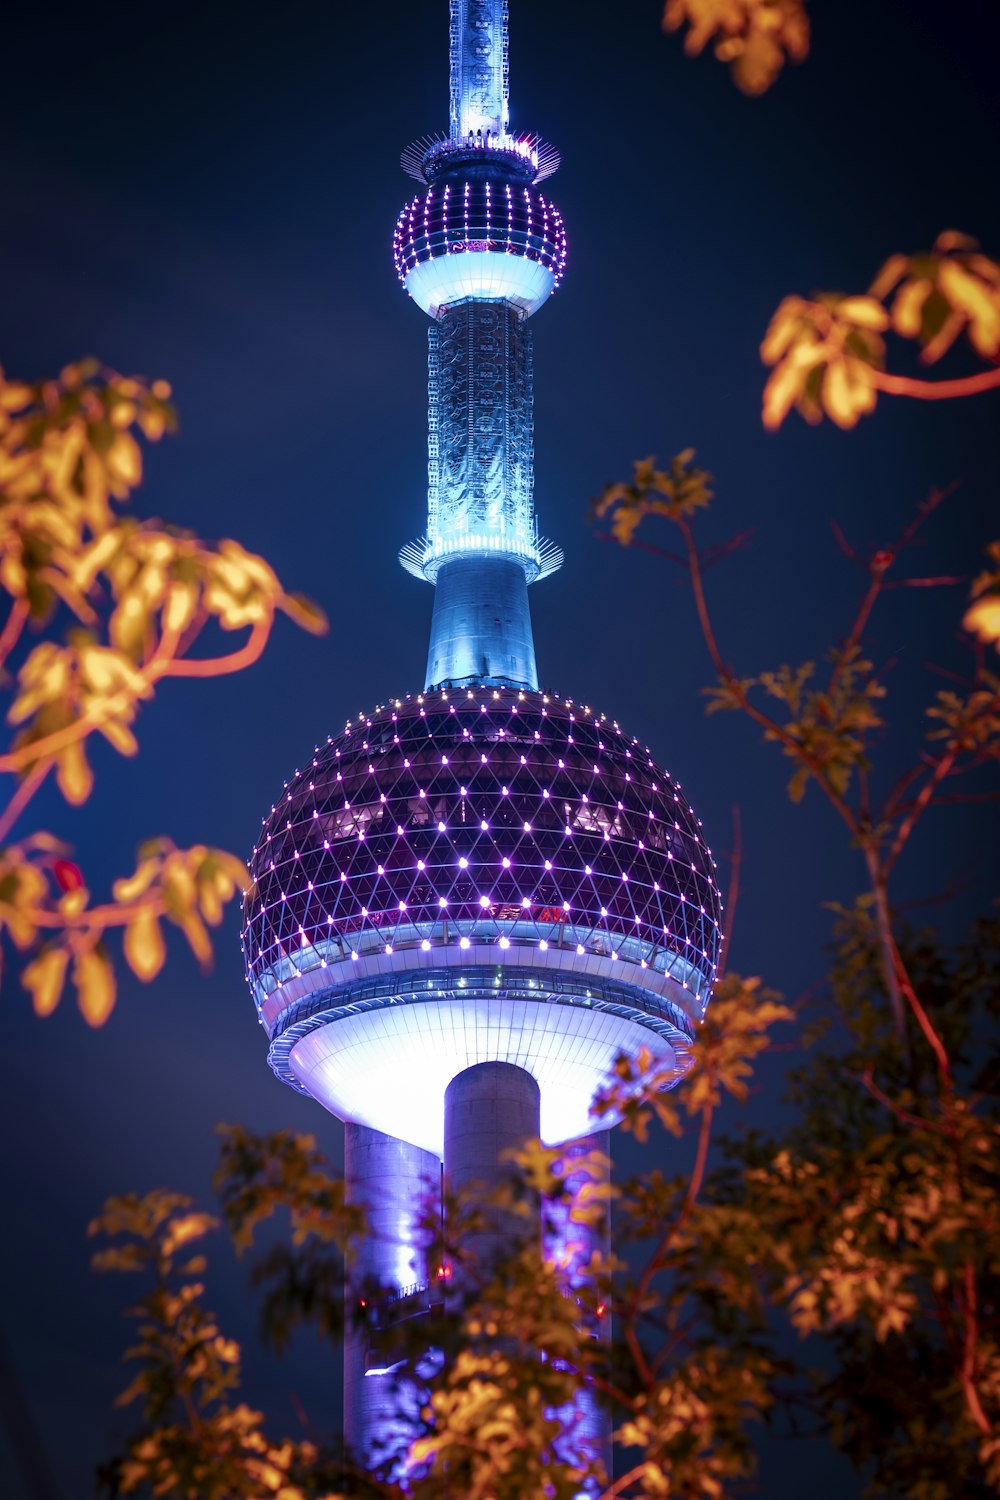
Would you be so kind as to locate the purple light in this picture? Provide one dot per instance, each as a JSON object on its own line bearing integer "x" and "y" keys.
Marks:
{"x": 304, "y": 896}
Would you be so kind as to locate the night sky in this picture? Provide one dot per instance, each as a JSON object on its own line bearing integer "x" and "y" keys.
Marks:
{"x": 207, "y": 195}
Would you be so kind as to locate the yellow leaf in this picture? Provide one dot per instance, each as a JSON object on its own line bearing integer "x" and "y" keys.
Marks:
{"x": 908, "y": 307}
{"x": 983, "y": 619}
{"x": 124, "y": 461}
{"x": 198, "y": 939}
{"x": 893, "y": 271}
{"x": 979, "y": 302}
{"x": 143, "y": 945}
{"x": 865, "y": 311}
{"x": 74, "y": 775}
{"x": 44, "y": 978}
{"x": 780, "y": 393}
{"x": 131, "y": 886}
{"x": 178, "y": 612}
{"x": 840, "y": 394}
{"x": 782, "y": 330}
{"x": 95, "y": 985}
{"x": 13, "y": 395}
{"x": 119, "y": 735}
{"x": 305, "y": 613}
{"x": 756, "y": 62}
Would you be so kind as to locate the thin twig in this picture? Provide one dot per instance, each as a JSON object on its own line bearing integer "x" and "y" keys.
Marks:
{"x": 621, "y": 1484}
{"x": 967, "y": 1374}
{"x": 15, "y": 807}
{"x": 11, "y": 633}
{"x": 942, "y": 769}
{"x": 733, "y": 892}
{"x": 922, "y": 583}
{"x": 868, "y": 1080}
{"x": 162, "y": 664}
{"x": 727, "y": 675}
{"x": 642, "y": 546}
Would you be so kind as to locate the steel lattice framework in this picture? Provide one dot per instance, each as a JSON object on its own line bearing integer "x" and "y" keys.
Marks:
{"x": 510, "y": 818}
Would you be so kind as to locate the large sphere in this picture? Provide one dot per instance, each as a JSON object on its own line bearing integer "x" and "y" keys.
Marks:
{"x": 477, "y": 238}
{"x": 467, "y": 846}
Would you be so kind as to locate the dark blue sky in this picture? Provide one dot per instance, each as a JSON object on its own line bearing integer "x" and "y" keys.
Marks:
{"x": 208, "y": 196}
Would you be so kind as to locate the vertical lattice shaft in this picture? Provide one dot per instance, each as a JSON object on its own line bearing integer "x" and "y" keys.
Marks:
{"x": 479, "y": 93}
{"x": 480, "y": 426}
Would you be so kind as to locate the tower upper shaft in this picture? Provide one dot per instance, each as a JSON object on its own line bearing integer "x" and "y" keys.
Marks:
{"x": 479, "y": 79}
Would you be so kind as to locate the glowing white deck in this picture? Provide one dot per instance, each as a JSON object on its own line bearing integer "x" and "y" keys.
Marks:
{"x": 490, "y": 274}
{"x": 389, "y": 1068}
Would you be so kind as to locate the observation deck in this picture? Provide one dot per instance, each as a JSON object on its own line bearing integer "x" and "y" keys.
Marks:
{"x": 477, "y": 875}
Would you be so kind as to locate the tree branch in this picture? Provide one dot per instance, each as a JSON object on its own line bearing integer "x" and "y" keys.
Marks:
{"x": 732, "y": 894}
{"x": 15, "y": 807}
{"x": 11, "y": 633}
{"x": 934, "y": 390}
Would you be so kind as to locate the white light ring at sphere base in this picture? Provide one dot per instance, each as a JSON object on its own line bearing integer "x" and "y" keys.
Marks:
{"x": 546, "y": 964}
{"x": 490, "y": 275}
{"x": 389, "y": 1068}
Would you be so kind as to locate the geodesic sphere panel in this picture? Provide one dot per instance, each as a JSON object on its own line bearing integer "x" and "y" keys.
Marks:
{"x": 493, "y": 816}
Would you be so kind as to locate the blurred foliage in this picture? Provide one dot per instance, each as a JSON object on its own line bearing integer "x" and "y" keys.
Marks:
{"x": 755, "y": 37}
{"x": 680, "y": 491}
{"x": 982, "y": 618}
{"x": 868, "y": 1226}
{"x": 120, "y": 605}
{"x": 196, "y": 1438}
{"x": 839, "y": 1278}
{"x": 880, "y": 1199}
{"x": 827, "y": 354}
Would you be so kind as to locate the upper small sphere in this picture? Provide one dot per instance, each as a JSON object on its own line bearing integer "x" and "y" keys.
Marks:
{"x": 479, "y": 238}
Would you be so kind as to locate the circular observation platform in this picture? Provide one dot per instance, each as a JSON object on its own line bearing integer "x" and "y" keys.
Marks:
{"x": 477, "y": 875}
{"x": 476, "y": 238}
{"x": 505, "y": 157}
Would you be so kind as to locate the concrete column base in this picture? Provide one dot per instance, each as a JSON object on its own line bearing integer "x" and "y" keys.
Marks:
{"x": 489, "y": 1109}
{"x": 395, "y": 1182}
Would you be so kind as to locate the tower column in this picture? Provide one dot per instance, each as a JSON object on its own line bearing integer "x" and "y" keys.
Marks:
{"x": 489, "y": 1109}
{"x": 393, "y": 1181}
{"x": 481, "y": 626}
{"x": 588, "y": 1425}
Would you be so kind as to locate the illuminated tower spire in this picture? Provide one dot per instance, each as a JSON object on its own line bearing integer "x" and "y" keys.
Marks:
{"x": 478, "y": 52}
{"x": 466, "y": 905}
{"x": 480, "y": 251}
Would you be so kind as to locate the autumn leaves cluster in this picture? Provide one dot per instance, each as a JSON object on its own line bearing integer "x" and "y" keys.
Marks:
{"x": 101, "y": 609}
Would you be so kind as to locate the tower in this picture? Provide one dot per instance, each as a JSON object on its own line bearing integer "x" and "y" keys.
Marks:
{"x": 470, "y": 901}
